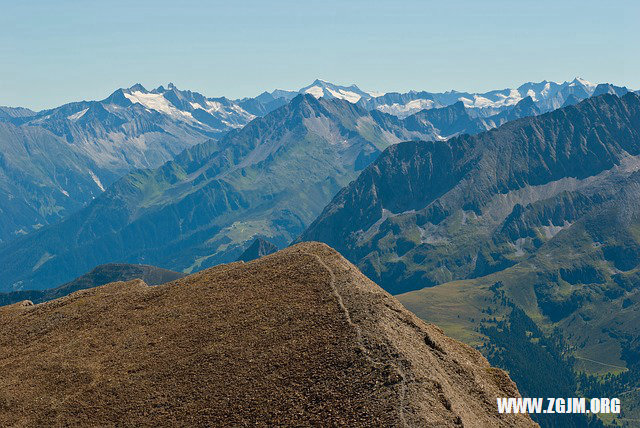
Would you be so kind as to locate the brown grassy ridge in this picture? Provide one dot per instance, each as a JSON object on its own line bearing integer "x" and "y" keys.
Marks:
{"x": 297, "y": 338}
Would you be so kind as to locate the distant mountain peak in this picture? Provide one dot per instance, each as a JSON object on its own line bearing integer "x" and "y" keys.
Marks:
{"x": 579, "y": 81}
{"x": 137, "y": 88}
{"x": 118, "y": 98}
{"x": 583, "y": 81}
{"x": 320, "y": 88}
{"x": 259, "y": 248}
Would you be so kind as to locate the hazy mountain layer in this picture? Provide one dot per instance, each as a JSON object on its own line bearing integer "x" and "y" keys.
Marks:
{"x": 55, "y": 161}
{"x": 101, "y": 275}
{"x": 259, "y": 248}
{"x": 270, "y": 179}
{"x": 547, "y": 96}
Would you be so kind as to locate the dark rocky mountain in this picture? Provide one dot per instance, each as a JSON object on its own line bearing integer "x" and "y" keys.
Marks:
{"x": 539, "y": 216}
{"x": 259, "y": 248}
{"x": 399, "y": 223}
{"x": 607, "y": 88}
{"x": 297, "y": 338}
{"x": 571, "y": 100}
{"x": 54, "y": 161}
{"x": 101, "y": 275}
{"x": 262, "y": 104}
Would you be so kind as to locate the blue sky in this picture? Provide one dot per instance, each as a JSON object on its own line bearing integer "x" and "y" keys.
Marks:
{"x": 52, "y": 52}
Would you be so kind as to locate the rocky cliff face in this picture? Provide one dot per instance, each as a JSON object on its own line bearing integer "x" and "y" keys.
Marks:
{"x": 299, "y": 337}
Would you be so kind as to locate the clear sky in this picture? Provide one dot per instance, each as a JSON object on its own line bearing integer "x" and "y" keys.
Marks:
{"x": 52, "y": 52}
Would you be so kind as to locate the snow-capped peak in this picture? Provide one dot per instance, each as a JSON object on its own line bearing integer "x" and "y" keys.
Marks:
{"x": 316, "y": 90}
{"x": 584, "y": 82}
{"x": 375, "y": 93}
{"x": 137, "y": 88}
{"x": 321, "y": 88}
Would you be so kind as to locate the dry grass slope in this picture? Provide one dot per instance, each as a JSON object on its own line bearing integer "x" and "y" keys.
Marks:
{"x": 299, "y": 337}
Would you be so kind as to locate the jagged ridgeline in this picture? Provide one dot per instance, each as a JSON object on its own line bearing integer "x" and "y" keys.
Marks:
{"x": 55, "y": 161}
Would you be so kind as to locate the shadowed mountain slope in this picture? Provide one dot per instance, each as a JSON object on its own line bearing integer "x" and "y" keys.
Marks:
{"x": 259, "y": 248}
{"x": 101, "y": 275}
{"x": 296, "y": 338}
{"x": 425, "y": 213}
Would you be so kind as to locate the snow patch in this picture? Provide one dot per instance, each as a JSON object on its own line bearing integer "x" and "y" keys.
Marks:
{"x": 78, "y": 115}
{"x": 316, "y": 91}
{"x": 352, "y": 97}
{"x": 96, "y": 180}
{"x": 552, "y": 230}
{"x": 585, "y": 83}
{"x": 213, "y": 106}
{"x": 404, "y": 110}
{"x": 45, "y": 258}
{"x": 159, "y": 103}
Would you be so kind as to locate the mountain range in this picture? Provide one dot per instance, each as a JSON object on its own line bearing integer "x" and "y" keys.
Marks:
{"x": 55, "y": 161}
{"x": 269, "y": 179}
{"x": 530, "y": 226}
{"x": 297, "y": 338}
{"x": 546, "y": 95}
